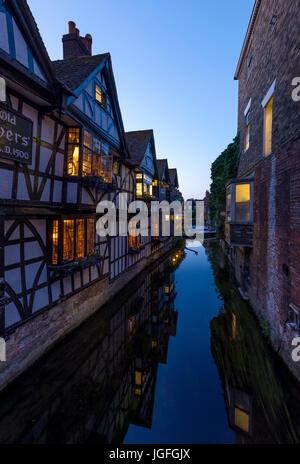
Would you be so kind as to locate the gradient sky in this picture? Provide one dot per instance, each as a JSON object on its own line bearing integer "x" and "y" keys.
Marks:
{"x": 173, "y": 63}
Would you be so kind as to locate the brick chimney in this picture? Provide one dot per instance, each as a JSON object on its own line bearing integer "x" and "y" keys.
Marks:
{"x": 74, "y": 45}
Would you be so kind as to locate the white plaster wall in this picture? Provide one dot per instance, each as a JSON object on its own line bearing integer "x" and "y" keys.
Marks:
{"x": 71, "y": 192}
{"x": 6, "y": 183}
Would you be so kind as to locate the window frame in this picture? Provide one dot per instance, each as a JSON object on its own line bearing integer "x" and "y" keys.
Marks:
{"x": 59, "y": 225}
{"x": 104, "y": 150}
{"x": 232, "y": 189}
{"x": 265, "y": 101}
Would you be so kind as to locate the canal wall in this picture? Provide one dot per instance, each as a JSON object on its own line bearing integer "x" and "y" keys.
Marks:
{"x": 33, "y": 339}
{"x": 266, "y": 294}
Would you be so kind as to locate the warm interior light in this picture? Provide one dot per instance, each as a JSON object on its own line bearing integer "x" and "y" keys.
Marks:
{"x": 242, "y": 193}
{"x": 241, "y": 419}
{"x": 268, "y": 126}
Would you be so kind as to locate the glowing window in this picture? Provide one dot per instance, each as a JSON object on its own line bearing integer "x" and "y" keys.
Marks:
{"x": 73, "y": 136}
{"x": 55, "y": 242}
{"x": 90, "y": 235}
{"x": 139, "y": 189}
{"x": 138, "y": 378}
{"x": 242, "y": 202}
{"x": 268, "y": 126}
{"x": 241, "y": 419}
{"x": 68, "y": 241}
{"x": 100, "y": 96}
{"x": 80, "y": 237}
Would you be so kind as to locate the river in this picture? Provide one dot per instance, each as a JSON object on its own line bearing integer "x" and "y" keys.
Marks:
{"x": 176, "y": 357}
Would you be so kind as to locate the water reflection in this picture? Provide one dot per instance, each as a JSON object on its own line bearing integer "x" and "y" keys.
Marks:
{"x": 262, "y": 399}
{"x": 108, "y": 382}
{"x": 102, "y": 377}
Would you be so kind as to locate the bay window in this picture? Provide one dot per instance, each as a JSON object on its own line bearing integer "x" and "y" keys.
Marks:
{"x": 71, "y": 239}
{"x": 239, "y": 212}
{"x": 143, "y": 185}
{"x": 96, "y": 160}
{"x": 242, "y": 203}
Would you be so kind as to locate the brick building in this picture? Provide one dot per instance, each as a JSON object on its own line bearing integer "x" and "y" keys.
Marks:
{"x": 263, "y": 206}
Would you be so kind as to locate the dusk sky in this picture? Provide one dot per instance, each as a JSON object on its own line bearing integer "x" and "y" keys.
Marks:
{"x": 173, "y": 63}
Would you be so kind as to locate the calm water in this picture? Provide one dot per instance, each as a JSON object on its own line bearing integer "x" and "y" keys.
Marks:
{"x": 189, "y": 404}
{"x": 177, "y": 357}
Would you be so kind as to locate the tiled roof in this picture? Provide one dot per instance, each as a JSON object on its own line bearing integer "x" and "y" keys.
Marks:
{"x": 73, "y": 71}
{"x": 137, "y": 142}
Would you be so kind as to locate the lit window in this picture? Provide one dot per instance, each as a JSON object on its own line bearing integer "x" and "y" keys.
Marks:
{"x": 139, "y": 189}
{"x": 80, "y": 238}
{"x": 90, "y": 235}
{"x": 268, "y": 126}
{"x": 96, "y": 159}
{"x": 68, "y": 241}
{"x": 139, "y": 175}
{"x": 167, "y": 289}
{"x": 241, "y": 418}
{"x": 138, "y": 378}
{"x": 242, "y": 202}
{"x": 55, "y": 242}
{"x": 155, "y": 183}
{"x": 100, "y": 96}
{"x": 73, "y": 152}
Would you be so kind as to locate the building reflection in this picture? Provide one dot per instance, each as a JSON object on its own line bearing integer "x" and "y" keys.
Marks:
{"x": 262, "y": 399}
{"x": 102, "y": 377}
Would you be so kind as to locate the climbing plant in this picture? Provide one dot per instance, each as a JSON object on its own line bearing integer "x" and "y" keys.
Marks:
{"x": 223, "y": 169}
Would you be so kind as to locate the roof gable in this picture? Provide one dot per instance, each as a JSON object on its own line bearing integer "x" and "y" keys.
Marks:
{"x": 141, "y": 147}
{"x": 82, "y": 75}
{"x": 163, "y": 171}
{"x": 173, "y": 177}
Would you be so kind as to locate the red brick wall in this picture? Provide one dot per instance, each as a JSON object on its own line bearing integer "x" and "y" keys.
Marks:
{"x": 274, "y": 260}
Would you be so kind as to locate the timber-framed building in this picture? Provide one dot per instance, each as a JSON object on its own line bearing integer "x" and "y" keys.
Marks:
{"x": 62, "y": 150}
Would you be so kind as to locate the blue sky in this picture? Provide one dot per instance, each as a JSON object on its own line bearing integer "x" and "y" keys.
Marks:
{"x": 174, "y": 64}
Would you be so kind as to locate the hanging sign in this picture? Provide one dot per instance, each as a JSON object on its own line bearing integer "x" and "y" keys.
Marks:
{"x": 15, "y": 136}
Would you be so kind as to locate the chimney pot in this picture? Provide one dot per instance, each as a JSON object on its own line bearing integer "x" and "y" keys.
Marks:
{"x": 77, "y": 31}
{"x": 72, "y": 27}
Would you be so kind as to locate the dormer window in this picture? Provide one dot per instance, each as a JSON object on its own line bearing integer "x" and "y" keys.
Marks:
{"x": 100, "y": 96}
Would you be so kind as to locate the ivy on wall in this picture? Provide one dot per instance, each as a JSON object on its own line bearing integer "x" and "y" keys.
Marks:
{"x": 224, "y": 168}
